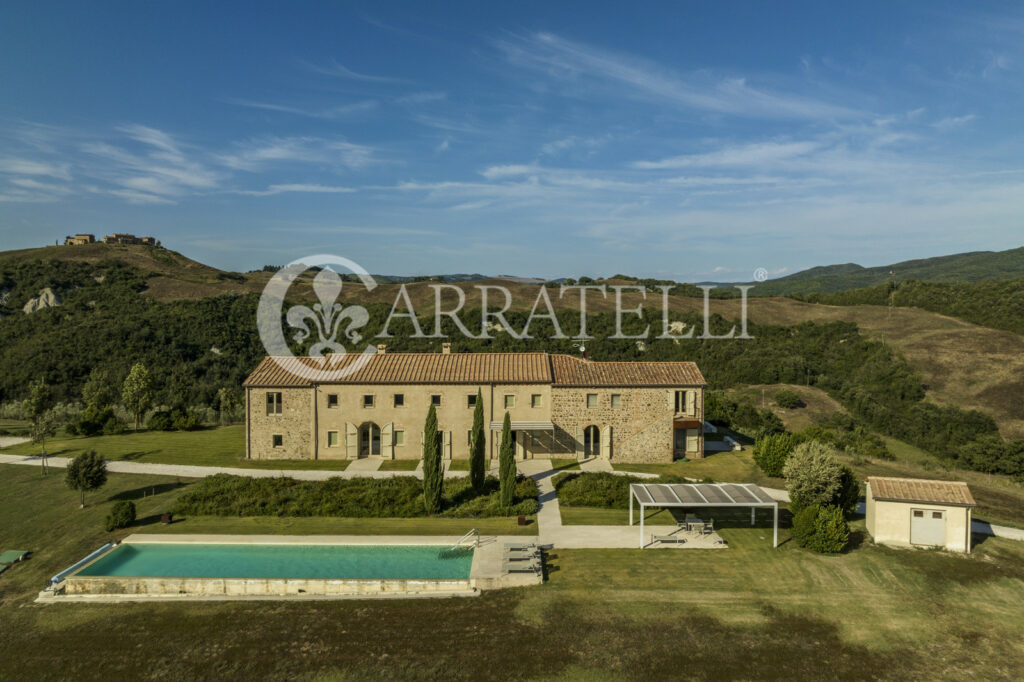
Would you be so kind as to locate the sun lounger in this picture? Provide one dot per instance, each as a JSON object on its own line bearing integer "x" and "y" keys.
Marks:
{"x": 678, "y": 539}
{"x": 12, "y": 555}
{"x": 522, "y": 567}
{"x": 520, "y": 546}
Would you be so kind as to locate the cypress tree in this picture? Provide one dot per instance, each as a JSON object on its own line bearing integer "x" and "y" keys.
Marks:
{"x": 507, "y": 464}
{"x": 433, "y": 474}
{"x": 477, "y": 444}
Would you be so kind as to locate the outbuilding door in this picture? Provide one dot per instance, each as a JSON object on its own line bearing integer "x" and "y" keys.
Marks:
{"x": 927, "y": 527}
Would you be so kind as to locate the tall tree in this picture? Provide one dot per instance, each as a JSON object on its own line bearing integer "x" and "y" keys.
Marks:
{"x": 137, "y": 393}
{"x": 99, "y": 390}
{"x": 225, "y": 403}
{"x": 39, "y": 408}
{"x": 87, "y": 471}
{"x": 477, "y": 446}
{"x": 433, "y": 474}
{"x": 507, "y": 464}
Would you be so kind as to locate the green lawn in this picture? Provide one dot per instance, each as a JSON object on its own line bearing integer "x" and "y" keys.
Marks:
{"x": 222, "y": 446}
{"x": 565, "y": 464}
{"x": 596, "y": 516}
{"x": 399, "y": 465}
{"x": 14, "y": 427}
{"x": 273, "y": 525}
{"x": 723, "y": 467}
{"x": 748, "y": 612}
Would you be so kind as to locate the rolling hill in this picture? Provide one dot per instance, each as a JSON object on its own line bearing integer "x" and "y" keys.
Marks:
{"x": 961, "y": 267}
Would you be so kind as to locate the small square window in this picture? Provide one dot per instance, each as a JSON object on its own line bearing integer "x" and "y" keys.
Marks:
{"x": 435, "y": 400}
{"x": 616, "y": 400}
{"x": 399, "y": 400}
{"x": 936, "y": 515}
{"x": 278, "y": 440}
{"x": 471, "y": 400}
{"x": 399, "y": 437}
{"x": 368, "y": 401}
{"x": 332, "y": 400}
{"x": 535, "y": 400}
{"x": 332, "y": 439}
{"x": 510, "y": 402}
{"x": 918, "y": 514}
{"x": 591, "y": 400}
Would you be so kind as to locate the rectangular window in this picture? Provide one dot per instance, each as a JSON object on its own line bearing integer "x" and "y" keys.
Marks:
{"x": 469, "y": 437}
{"x": 616, "y": 400}
{"x": 535, "y": 400}
{"x": 278, "y": 440}
{"x": 435, "y": 400}
{"x": 591, "y": 400}
{"x": 471, "y": 400}
{"x": 332, "y": 400}
{"x": 399, "y": 400}
{"x": 273, "y": 403}
{"x": 686, "y": 403}
{"x": 399, "y": 437}
{"x": 918, "y": 514}
{"x": 368, "y": 401}
{"x": 332, "y": 439}
{"x": 510, "y": 402}
{"x": 936, "y": 515}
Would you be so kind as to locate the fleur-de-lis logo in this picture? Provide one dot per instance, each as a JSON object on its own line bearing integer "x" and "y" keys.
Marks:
{"x": 327, "y": 316}
{"x": 333, "y": 323}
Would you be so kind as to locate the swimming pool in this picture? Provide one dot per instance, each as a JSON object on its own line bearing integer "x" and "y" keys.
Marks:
{"x": 280, "y": 561}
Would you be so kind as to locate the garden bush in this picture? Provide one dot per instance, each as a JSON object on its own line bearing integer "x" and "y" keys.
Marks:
{"x": 789, "y": 399}
{"x": 398, "y": 497}
{"x": 121, "y": 515}
{"x": 821, "y": 529}
{"x": 772, "y": 450}
{"x": 609, "y": 491}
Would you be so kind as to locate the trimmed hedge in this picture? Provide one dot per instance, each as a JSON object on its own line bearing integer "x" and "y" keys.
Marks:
{"x": 609, "y": 491}
{"x": 821, "y": 529}
{"x": 398, "y": 497}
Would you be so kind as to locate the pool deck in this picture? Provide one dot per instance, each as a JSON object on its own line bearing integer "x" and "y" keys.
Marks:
{"x": 485, "y": 573}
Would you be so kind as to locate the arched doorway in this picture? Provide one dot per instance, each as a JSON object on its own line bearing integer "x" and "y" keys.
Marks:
{"x": 592, "y": 441}
{"x": 369, "y": 439}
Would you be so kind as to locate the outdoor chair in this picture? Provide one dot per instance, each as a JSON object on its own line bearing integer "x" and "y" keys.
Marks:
{"x": 665, "y": 539}
{"x": 520, "y": 546}
{"x": 522, "y": 566}
{"x": 709, "y": 527}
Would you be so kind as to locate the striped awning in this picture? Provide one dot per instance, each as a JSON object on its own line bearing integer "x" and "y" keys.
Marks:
{"x": 525, "y": 426}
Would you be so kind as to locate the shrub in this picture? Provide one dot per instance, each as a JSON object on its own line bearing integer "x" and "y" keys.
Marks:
{"x": 609, "y": 491}
{"x": 821, "y": 529}
{"x": 772, "y": 450}
{"x": 86, "y": 472}
{"x": 92, "y": 421}
{"x": 121, "y": 515}
{"x": 161, "y": 420}
{"x": 399, "y": 497}
{"x": 812, "y": 475}
{"x": 789, "y": 399}
{"x": 848, "y": 494}
{"x": 112, "y": 426}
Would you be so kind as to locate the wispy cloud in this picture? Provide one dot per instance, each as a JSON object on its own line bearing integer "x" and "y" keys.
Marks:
{"x": 952, "y": 122}
{"x": 15, "y": 166}
{"x": 334, "y": 112}
{"x": 257, "y": 154}
{"x": 742, "y": 155}
{"x": 297, "y": 188}
{"x": 340, "y": 71}
{"x": 564, "y": 59}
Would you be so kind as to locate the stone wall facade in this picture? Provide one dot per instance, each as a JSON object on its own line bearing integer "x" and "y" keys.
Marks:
{"x": 339, "y": 422}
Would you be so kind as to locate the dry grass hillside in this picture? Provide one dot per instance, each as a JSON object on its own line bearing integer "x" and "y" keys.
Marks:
{"x": 817, "y": 403}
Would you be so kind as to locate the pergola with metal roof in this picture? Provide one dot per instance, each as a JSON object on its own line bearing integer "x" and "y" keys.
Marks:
{"x": 700, "y": 495}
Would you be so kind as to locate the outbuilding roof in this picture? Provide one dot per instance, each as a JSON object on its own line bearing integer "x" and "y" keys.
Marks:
{"x": 475, "y": 368}
{"x": 921, "y": 490}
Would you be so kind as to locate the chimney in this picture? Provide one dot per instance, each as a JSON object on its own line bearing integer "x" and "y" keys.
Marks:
{"x": 446, "y": 348}
{"x": 381, "y": 349}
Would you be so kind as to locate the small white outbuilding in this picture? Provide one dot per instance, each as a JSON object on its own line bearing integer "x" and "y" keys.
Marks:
{"x": 920, "y": 513}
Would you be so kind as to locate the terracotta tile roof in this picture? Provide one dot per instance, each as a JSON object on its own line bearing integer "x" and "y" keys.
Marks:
{"x": 572, "y": 371}
{"x": 921, "y": 490}
{"x": 414, "y": 368}
{"x": 478, "y": 368}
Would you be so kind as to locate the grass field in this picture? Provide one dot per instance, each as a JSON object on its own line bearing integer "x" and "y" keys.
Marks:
{"x": 223, "y": 446}
{"x": 399, "y": 465}
{"x": 818, "y": 404}
{"x": 749, "y": 612}
{"x": 565, "y": 464}
{"x": 14, "y": 427}
{"x": 724, "y": 467}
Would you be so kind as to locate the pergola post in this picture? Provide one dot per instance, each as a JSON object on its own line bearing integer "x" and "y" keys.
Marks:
{"x": 631, "y": 494}
{"x": 752, "y": 511}
{"x": 775, "y": 536}
{"x": 643, "y": 510}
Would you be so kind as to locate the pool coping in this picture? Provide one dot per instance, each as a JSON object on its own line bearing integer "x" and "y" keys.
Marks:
{"x": 485, "y": 572}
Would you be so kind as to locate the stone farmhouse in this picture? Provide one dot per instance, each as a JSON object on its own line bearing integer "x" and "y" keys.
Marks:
{"x": 125, "y": 238}
{"x": 81, "y": 238}
{"x": 559, "y": 405}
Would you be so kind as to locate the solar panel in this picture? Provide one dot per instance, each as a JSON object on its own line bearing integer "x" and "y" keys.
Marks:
{"x": 713, "y": 494}
{"x": 739, "y": 493}
{"x": 641, "y": 493}
{"x": 662, "y": 494}
{"x": 687, "y": 494}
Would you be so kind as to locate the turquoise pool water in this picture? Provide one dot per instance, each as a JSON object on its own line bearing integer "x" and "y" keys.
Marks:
{"x": 182, "y": 560}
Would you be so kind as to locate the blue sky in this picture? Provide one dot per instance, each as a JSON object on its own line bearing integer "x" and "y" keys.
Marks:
{"x": 690, "y": 140}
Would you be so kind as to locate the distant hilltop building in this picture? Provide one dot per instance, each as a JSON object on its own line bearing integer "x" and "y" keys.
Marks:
{"x": 79, "y": 239}
{"x": 125, "y": 238}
